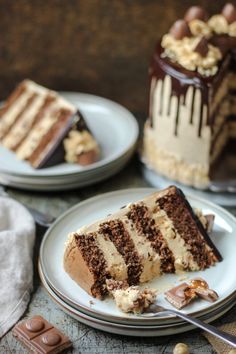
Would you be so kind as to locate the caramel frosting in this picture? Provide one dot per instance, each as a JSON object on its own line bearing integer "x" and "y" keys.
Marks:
{"x": 77, "y": 143}
{"x": 183, "y": 52}
{"x": 218, "y": 24}
{"x": 181, "y": 44}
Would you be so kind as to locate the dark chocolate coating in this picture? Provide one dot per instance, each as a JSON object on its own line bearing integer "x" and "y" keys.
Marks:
{"x": 182, "y": 78}
{"x": 201, "y": 228}
{"x": 202, "y": 47}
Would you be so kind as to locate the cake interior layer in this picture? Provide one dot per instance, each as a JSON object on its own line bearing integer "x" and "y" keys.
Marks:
{"x": 31, "y": 119}
{"x": 145, "y": 239}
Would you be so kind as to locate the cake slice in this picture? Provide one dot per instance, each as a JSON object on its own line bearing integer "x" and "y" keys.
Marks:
{"x": 42, "y": 127}
{"x": 156, "y": 235}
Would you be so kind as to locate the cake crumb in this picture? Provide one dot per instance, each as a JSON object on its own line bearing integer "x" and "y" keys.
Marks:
{"x": 91, "y": 302}
{"x": 131, "y": 298}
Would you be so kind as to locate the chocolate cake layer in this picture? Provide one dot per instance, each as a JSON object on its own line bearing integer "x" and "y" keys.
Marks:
{"x": 95, "y": 261}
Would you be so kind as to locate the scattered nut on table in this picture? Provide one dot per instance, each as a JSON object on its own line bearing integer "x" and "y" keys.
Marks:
{"x": 181, "y": 348}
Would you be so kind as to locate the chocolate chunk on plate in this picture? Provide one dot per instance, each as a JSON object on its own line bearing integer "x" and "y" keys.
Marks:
{"x": 180, "y": 296}
{"x": 41, "y": 337}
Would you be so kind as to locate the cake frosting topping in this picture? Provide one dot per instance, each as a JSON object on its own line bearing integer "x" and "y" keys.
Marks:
{"x": 78, "y": 143}
{"x": 183, "y": 51}
{"x": 185, "y": 45}
{"x": 224, "y": 23}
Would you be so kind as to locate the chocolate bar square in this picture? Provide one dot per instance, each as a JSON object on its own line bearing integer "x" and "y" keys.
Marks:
{"x": 41, "y": 337}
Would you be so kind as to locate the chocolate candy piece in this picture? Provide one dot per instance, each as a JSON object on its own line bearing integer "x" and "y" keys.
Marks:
{"x": 183, "y": 294}
{"x": 195, "y": 13}
{"x": 35, "y": 325}
{"x": 210, "y": 218}
{"x": 202, "y": 47}
{"x": 180, "y": 295}
{"x": 180, "y": 29}
{"x": 39, "y": 336}
{"x": 229, "y": 12}
{"x": 201, "y": 288}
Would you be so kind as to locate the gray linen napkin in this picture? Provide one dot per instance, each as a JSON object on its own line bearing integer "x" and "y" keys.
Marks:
{"x": 17, "y": 234}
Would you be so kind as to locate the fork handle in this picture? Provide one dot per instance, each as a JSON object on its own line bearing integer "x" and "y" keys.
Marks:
{"x": 226, "y": 337}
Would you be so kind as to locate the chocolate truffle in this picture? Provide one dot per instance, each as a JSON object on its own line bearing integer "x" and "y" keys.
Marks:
{"x": 180, "y": 29}
{"x": 229, "y": 12}
{"x": 195, "y": 13}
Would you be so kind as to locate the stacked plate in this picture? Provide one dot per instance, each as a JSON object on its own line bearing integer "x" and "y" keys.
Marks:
{"x": 116, "y": 131}
{"x": 103, "y": 314}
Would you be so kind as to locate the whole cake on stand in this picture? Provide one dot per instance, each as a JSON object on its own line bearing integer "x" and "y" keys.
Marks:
{"x": 192, "y": 109}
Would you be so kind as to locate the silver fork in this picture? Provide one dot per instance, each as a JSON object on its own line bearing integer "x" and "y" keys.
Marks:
{"x": 154, "y": 310}
{"x": 40, "y": 218}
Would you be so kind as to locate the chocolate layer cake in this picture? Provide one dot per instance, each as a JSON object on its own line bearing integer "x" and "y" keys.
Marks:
{"x": 192, "y": 109}
{"x": 159, "y": 234}
{"x": 45, "y": 129}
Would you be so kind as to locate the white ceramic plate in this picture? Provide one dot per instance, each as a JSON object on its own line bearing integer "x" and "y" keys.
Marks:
{"x": 114, "y": 127}
{"x": 219, "y": 277}
{"x": 65, "y": 182}
{"x": 126, "y": 329}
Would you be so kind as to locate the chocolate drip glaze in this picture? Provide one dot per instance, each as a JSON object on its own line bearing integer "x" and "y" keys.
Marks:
{"x": 182, "y": 79}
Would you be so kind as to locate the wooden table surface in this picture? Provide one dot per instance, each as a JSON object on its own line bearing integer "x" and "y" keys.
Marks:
{"x": 86, "y": 339}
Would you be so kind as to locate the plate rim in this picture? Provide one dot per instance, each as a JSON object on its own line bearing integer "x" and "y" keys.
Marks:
{"x": 117, "y": 192}
{"x": 61, "y": 303}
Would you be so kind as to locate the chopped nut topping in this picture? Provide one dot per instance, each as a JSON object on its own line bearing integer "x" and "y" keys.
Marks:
{"x": 218, "y": 24}
{"x": 182, "y": 52}
{"x": 199, "y": 28}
